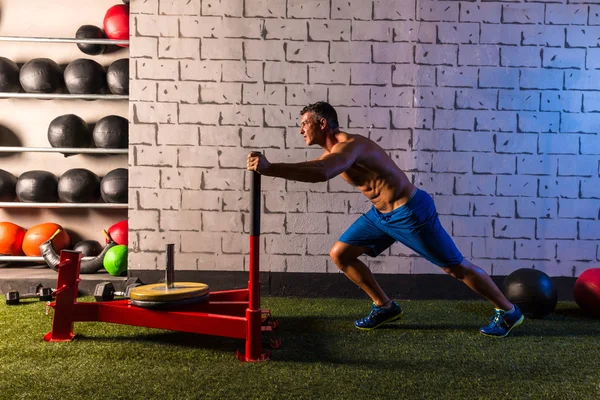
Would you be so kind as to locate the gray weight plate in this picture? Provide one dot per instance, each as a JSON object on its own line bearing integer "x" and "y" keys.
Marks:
{"x": 163, "y": 305}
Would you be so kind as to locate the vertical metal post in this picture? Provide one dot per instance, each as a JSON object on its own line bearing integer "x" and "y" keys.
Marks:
{"x": 253, "y": 312}
{"x": 253, "y": 284}
{"x": 170, "y": 270}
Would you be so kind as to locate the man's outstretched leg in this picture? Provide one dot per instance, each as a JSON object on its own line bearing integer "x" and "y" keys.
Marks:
{"x": 383, "y": 309}
{"x": 507, "y": 316}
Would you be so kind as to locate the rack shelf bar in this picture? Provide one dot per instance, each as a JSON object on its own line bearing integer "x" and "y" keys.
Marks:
{"x": 61, "y": 40}
{"x": 16, "y": 149}
{"x": 16, "y": 204}
{"x": 20, "y": 259}
{"x": 28, "y": 258}
{"x": 7, "y": 95}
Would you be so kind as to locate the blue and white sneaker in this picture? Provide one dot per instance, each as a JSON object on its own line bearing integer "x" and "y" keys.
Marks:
{"x": 379, "y": 316}
{"x": 501, "y": 323}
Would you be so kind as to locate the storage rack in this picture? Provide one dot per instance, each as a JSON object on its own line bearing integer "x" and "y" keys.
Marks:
{"x": 45, "y": 96}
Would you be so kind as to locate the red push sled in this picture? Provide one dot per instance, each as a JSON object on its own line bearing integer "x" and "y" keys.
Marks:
{"x": 229, "y": 313}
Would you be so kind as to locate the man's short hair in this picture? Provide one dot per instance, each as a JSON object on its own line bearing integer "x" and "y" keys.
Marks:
{"x": 320, "y": 110}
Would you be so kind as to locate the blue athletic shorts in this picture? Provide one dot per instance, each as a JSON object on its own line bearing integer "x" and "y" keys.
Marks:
{"x": 414, "y": 224}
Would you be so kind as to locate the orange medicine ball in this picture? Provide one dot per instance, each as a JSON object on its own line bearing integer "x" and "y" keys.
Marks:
{"x": 11, "y": 239}
{"x": 39, "y": 234}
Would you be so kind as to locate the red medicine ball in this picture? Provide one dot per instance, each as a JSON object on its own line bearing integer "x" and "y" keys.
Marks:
{"x": 116, "y": 23}
{"x": 11, "y": 239}
{"x": 119, "y": 232}
{"x": 587, "y": 291}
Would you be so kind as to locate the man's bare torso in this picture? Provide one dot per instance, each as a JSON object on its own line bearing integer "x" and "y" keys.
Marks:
{"x": 376, "y": 175}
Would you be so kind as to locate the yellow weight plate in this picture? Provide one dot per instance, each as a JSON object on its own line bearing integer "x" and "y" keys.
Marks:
{"x": 160, "y": 292}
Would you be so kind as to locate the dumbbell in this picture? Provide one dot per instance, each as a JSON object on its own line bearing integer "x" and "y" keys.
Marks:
{"x": 13, "y": 297}
{"x": 105, "y": 291}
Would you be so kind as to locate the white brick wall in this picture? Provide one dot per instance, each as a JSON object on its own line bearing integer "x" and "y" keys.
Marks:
{"x": 490, "y": 106}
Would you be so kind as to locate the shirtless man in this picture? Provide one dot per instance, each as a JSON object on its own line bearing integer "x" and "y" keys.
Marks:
{"x": 400, "y": 212}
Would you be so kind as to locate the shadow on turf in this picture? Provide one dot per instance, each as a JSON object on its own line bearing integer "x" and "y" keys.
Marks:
{"x": 307, "y": 330}
{"x": 574, "y": 312}
{"x": 311, "y": 338}
{"x": 181, "y": 339}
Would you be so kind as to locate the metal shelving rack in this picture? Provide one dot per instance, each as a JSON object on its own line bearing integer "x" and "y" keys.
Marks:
{"x": 8, "y": 149}
{"x": 5, "y": 95}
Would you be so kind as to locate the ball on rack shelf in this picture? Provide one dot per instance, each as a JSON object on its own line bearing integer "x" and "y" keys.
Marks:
{"x": 69, "y": 131}
{"x": 115, "y": 260}
{"x": 89, "y": 248}
{"x": 117, "y": 77}
{"x": 41, "y": 75}
{"x": 11, "y": 239}
{"x": 119, "y": 232}
{"x": 90, "y": 32}
{"x": 8, "y": 185}
{"x": 38, "y": 234}
{"x": 114, "y": 186}
{"x": 111, "y": 132}
{"x": 84, "y": 76}
{"x": 9, "y": 76}
{"x": 116, "y": 23}
{"x": 79, "y": 185}
{"x": 37, "y": 187}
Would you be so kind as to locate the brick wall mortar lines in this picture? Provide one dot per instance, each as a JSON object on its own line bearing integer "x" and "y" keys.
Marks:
{"x": 492, "y": 107}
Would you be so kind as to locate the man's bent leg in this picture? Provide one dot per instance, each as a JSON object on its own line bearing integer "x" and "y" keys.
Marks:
{"x": 383, "y": 310}
{"x": 480, "y": 282}
{"x": 345, "y": 257}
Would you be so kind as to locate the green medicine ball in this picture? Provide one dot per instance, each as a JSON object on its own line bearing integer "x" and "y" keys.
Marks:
{"x": 115, "y": 260}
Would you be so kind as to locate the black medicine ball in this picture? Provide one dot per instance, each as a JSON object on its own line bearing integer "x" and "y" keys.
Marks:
{"x": 532, "y": 290}
{"x": 40, "y": 75}
{"x": 114, "y": 186}
{"x": 117, "y": 77}
{"x": 111, "y": 132}
{"x": 89, "y": 248}
{"x": 9, "y": 76}
{"x": 90, "y": 32}
{"x": 79, "y": 185}
{"x": 37, "y": 187}
{"x": 69, "y": 131}
{"x": 83, "y": 76}
{"x": 8, "y": 184}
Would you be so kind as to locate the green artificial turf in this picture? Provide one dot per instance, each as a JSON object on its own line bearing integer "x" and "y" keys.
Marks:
{"x": 435, "y": 352}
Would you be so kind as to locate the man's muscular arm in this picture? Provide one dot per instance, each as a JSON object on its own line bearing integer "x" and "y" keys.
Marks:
{"x": 342, "y": 156}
